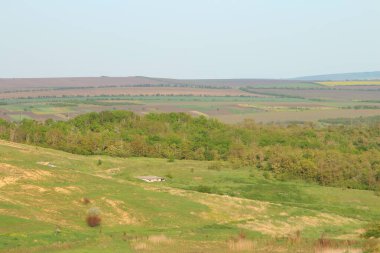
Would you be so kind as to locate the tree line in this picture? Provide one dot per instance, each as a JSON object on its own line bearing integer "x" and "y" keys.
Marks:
{"x": 335, "y": 155}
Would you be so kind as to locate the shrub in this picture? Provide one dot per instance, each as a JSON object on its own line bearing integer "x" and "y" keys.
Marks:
{"x": 93, "y": 217}
{"x": 241, "y": 243}
{"x": 204, "y": 189}
{"x": 372, "y": 246}
{"x": 86, "y": 201}
{"x": 100, "y": 162}
{"x": 377, "y": 190}
{"x": 235, "y": 164}
{"x": 373, "y": 231}
{"x": 266, "y": 175}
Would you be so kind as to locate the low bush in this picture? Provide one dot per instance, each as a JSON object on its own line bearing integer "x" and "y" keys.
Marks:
{"x": 85, "y": 201}
{"x": 373, "y": 231}
{"x": 93, "y": 217}
{"x": 214, "y": 166}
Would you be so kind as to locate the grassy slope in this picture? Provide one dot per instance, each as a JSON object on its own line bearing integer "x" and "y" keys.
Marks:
{"x": 142, "y": 217}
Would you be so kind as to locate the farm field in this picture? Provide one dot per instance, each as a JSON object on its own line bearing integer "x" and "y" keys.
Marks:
{"x": 16, "y": 84}
{"x": 230, "y": 109}
{"x": 324, "y": 94}
{"x": 298, "y": 116}
{"x": 347, "y": 83}
{"x": 229, "y": 100}
{"x": 45, "y": 195}
{"x": 129, "y": 91}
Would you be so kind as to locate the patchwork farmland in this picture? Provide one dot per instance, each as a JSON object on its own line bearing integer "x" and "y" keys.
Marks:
{"x": 231, "y": 100}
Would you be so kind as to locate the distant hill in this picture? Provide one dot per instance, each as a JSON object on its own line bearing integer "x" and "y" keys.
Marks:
{"x": 11, "y": 84}
{"x": 374, "y": 75}
{"x": 86, "y": 82}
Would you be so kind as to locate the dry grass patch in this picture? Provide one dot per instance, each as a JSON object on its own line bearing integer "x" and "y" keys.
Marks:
{"x": 241, "y": 244}
{"x": 29, "y": 187}
{"x": 151, "y": 242}
{"x": 113, "y": 171}
{"x": 159, "y": 239}
{"x": 325, "y": 245}
{"x": 62, "y": 190}
{"x": 223, "y": 208}
{"x": 140, "y": 246}
{"x": 297, "y": 223}
{"x": 18, "y": 146}
{"x": 119, "y": 215}
{"x": 68, "y": 189}
{"x": 11, "y": 174}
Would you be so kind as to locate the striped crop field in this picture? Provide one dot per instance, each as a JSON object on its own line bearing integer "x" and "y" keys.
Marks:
{"x": 343, "y": 83}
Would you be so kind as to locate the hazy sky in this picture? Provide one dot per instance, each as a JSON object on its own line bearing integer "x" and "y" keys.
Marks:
{"x": 188, "y": 38}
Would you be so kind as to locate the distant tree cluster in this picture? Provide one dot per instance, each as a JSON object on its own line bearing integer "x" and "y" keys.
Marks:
{"x": 338, "y": 155}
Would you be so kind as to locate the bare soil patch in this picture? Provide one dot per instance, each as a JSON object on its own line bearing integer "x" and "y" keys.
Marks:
{"x": 11, "y": 174}
{"x": 120, "y": 215}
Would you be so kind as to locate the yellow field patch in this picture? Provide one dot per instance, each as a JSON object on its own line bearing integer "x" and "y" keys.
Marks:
{"x": 342, "y": 83}
{"x": 284, "y": 108}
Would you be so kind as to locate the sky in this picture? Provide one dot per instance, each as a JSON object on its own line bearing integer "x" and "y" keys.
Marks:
{"x": 188, "y": 38}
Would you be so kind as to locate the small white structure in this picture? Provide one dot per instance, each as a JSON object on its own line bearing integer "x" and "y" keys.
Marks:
{"x": 47, "y": 164}
{"x": 151, "y": 179}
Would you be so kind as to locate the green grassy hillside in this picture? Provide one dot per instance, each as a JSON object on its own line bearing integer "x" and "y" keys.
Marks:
{"x": 344, "y": 156}
{"x": 202, "y": 207}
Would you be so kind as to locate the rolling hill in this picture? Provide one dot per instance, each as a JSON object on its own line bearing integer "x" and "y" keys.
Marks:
{"x": 374, "y": 75}
{"x": 46, "y": 194}
{"x": 9, "y": 84}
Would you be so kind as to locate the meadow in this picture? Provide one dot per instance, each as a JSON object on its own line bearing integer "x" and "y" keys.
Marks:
{"x": 202, "y": 207}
